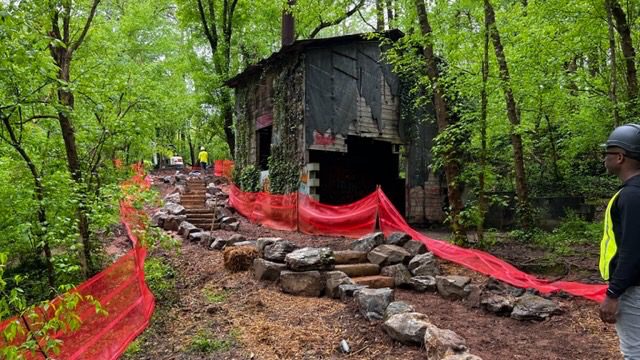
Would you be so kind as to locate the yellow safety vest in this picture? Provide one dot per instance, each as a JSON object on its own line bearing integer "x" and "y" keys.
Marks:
{"x": 203, "y": 156}
{"x": 608, "y": 246}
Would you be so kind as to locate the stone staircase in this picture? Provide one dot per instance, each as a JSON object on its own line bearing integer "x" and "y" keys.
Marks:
{"x": 193, "y": 201}
{"x": 356, "y": 265}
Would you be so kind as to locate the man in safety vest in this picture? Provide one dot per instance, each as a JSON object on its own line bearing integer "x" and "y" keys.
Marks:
{"x": 203, "y": 159}
{"x": 620, "y": 247}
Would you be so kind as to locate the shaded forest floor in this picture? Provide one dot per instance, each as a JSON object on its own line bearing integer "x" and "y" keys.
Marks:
{"x": 210, "y": 313}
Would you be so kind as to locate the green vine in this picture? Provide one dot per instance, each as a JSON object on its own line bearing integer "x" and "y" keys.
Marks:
{"x": 288, "y": 110}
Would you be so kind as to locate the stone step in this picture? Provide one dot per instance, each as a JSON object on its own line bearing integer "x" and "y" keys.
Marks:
{"x": 199, "y": 211}
{"x": 350, "y": 257}
{"x": 192, "y": 198}
{"x": 191, "y": 218}
{"x": 375, "y": 282}
{"x": 361, "y": 269}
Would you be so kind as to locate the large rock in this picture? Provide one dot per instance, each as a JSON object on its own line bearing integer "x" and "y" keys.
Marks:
{"x": 172, "y": 198}
{"x": 236, "y": 238}
{"x": 373, "y": 302}
{"x": 261, "y": 243}
{"x": 350, "y": 257}
{"x": 453, "y": 286}
{"x": 174, "y": 209}
{"x": 398, "y": 238}
{"x": 415, "y": 247}
{"x": 440, "y": 343}
{"x": 306, "y": 259}
{"x": 267, "y": 270}
{"x": 169, "y": 180}
{"x": 408, "y": 328}
{"x": 172, "y": 222}
{"x": 158, "y": 218}
{"x": 388, "y": 255}
{"x": 333, "y": 280}
{"x": 213, "y": 189}
{"x": 218, "y": 244}
{"x": 306, "y": 283}
{"x": 498, "y": 304}
{"x": 278, "y": 250}
{"x": 250, "y": 243}
{"x": 182, "y": 178}
{"x": 186, "y": 228}
{"x": 201, "y": 237}
{"x": 499, "y": 287}
{"x": 348, "y": 291}
{"x": 231, "y": 227}
{"x": 475, "y": 292}
{"x": 368, "y": 242}
{"x": 397, "y": 307}
{"x": 401, "y": 276}
{"x": 424, "y": 264}
{"x": 423, "y": 283}
{"x": 533, "y": 307}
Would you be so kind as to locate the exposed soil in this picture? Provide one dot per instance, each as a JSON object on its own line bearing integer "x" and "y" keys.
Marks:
{"x": 260, "y": 322}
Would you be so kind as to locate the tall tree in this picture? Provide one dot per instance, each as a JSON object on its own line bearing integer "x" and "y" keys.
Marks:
{"x": 62, "y": 49}
{"x": 512, "y": 113}
{"x": 628, "y": 51}
{"x": 214, "y": 24}
{"x": 451, "y": 165}
{"x": 613, "y": 86}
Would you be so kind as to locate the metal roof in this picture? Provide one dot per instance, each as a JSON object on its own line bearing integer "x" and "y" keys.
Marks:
{"x": 301, "y": 45}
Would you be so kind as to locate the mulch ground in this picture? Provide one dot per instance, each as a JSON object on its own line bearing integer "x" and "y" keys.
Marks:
{"x": 254, "y": 320}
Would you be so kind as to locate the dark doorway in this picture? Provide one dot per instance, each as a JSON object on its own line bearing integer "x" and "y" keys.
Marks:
{"x": 264, "y": 147}
{"x": 347, "y": 177}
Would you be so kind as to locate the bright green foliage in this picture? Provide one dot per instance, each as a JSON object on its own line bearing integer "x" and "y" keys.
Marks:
{"x": 249, "y": 179}
{"x": 203, "y": 342}
{"x": 61, "y": 317}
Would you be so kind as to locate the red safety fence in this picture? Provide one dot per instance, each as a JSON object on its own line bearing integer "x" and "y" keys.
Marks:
{"x": 223, "y": 168}
{"x": 352, "y": 220}
{"x": 121, "y": 291}
{"x": 359, "y": 218}
{"x": 482, "y": 262}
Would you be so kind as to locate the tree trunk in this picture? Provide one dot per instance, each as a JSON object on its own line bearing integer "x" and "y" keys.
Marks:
{"x": 482, "y": 197}
{"x": 63, "y": 55}
{"x": 227, "y": 113}
{"x": 41, "y": 211}
{"x": 451, "y": 167}
{"x": 629, "y": 53}
{"x": 379, "y": 15}
{"x": 512, "y": 114}
{"x": 613, "y": 86}
{"x": 390, "y": 16}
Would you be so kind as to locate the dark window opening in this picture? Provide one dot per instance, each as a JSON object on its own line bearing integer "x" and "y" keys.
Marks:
{"x": 348, "y": 177}
{"x": 264, "y": 147}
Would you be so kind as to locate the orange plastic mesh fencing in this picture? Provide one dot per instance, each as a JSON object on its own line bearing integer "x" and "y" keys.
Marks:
{"x": 351, "y": 220}
{"x": 482, "y": 262}
{"x": 223, "y": 168}
{"x": 276, "y": 211}
{"x": 122, "y": 292}
{"x": 359, "y": 218}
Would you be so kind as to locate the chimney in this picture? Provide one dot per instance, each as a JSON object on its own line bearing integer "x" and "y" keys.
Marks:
{"x": 288, "y": 26}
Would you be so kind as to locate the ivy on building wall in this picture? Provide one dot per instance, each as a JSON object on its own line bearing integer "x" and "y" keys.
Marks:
{"x": 288, "y": 120}
{"x": 243, "y": 128}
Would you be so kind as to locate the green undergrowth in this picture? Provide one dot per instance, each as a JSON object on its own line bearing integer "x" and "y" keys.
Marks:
{"x": 562, "y": 241}
{"x": 206, "y": 342}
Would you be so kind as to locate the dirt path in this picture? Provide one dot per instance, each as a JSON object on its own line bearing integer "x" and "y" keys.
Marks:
{"x": 215, "y": 314}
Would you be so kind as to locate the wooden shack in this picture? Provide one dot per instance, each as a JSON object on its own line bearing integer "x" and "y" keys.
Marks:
{"x": 322, "y": 117}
